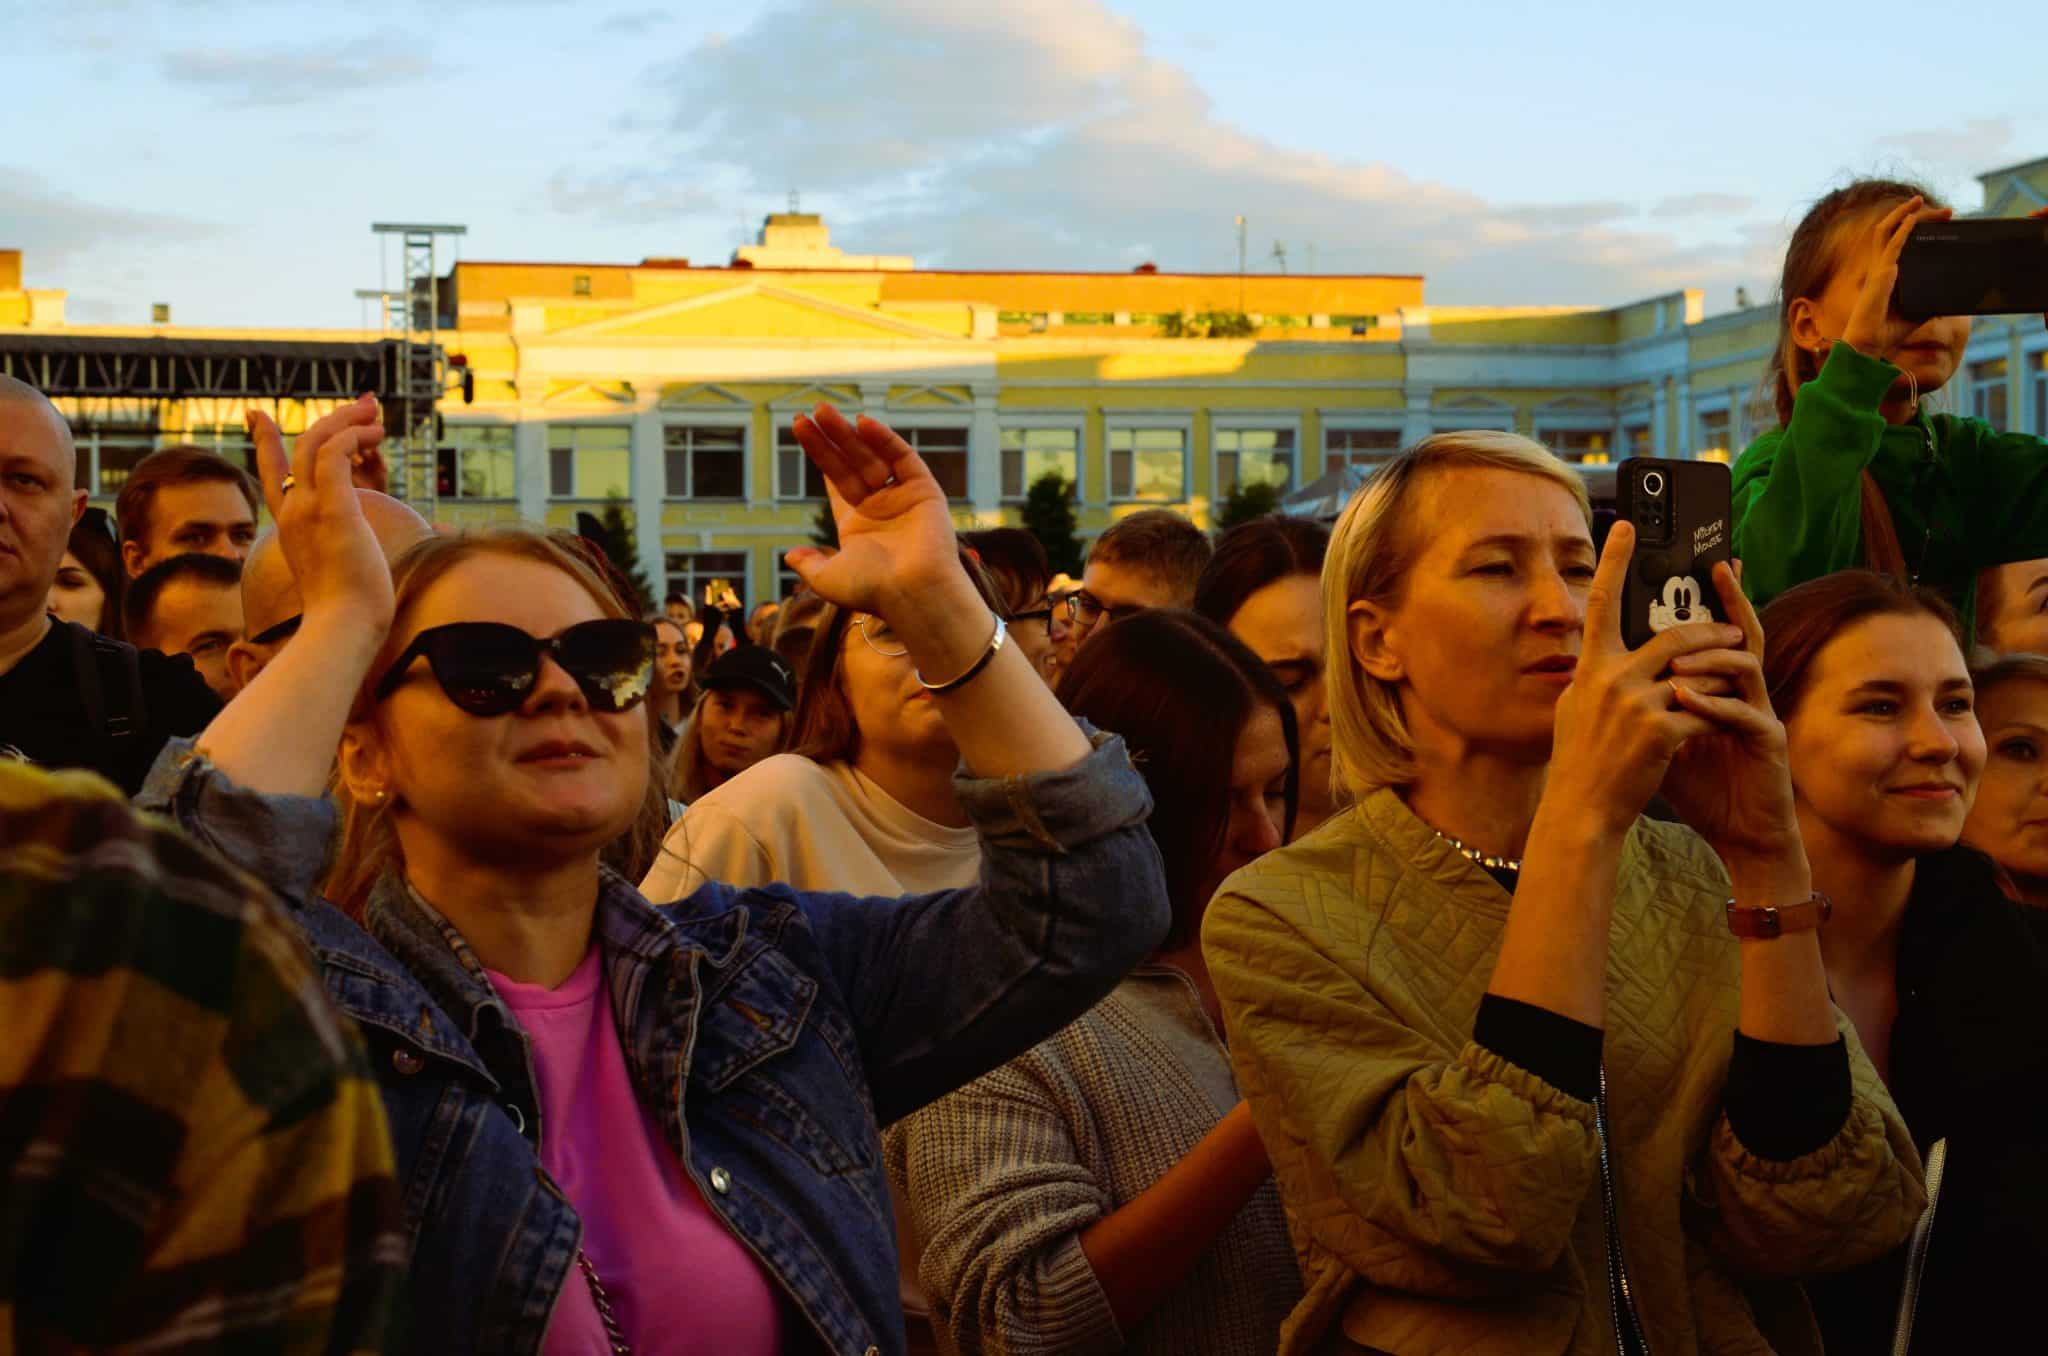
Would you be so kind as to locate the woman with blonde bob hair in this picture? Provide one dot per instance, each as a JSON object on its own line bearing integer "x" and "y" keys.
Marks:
{"x": 622, "y": 1124}
{"x": 1522, "y": 1089}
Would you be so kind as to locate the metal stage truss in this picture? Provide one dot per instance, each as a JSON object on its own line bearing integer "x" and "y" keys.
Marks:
{"x": 121, "y": 379}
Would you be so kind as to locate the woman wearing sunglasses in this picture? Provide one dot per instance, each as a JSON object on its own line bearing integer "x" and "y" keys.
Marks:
{"x": 622, "y": 1127}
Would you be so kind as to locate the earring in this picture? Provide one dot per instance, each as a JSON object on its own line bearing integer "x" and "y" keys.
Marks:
{"x": 380, "y": 797}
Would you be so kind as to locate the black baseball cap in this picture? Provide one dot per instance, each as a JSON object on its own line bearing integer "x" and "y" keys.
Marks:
{"x": 756, "y": 667}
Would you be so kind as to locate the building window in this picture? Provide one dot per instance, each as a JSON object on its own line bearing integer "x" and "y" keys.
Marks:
{"x": 787, "y": 581}
{"x": 704, "y": 461}
{"x": 1366, "y": 447}
{"x": 1030, "y": 454}
{"x": 690, "y": 573}
{"x": 1988, "y": 393}
{"x": 944, "y": 449}
{"x": 796, "y": 475}
{"x": 228, "y": 441}
{"x": 2040, "y": 429}
{"x": 1581, "y": 446}
{"x": 106, "y": 454}
{"x": 1712, "y": 443}
{"x": 1638, "y": 440}
{"x": 1251, "y": 456}
{"x": 590, "y": 461}
{"x": 580, "y": 284}
{"x": 1148, "y": 464}
{"x": 476, "y": 461}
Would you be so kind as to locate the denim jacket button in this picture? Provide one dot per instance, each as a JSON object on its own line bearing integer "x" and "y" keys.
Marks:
{"x": 721, "y": 1181}
{"x": 406, "y": 1062}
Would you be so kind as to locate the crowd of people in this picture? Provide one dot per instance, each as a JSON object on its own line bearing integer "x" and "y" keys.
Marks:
{"x": 1297, "y": 940}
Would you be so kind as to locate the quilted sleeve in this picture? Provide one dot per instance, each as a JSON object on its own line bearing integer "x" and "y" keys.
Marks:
{"x": 1436, "y": 1170}
{"x": 1853, "y": 1199}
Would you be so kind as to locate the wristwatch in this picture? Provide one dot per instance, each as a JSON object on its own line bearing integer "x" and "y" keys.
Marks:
{"x": 1762, "y": 924}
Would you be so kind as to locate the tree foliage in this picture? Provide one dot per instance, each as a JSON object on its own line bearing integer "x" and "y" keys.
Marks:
{"x": 1049, "y": 516}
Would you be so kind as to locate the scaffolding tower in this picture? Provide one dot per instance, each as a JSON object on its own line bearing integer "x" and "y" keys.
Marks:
{"x": 413, "y": 312}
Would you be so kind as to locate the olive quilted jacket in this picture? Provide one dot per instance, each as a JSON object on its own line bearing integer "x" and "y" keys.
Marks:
{"x": 1444, "y": 1200}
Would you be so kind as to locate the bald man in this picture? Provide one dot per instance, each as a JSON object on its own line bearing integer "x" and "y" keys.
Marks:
{"x": 68, "y": 696}
{"x": 270, "y": 596}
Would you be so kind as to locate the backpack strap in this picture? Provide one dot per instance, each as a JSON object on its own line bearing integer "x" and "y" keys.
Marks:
{"x": 105, "y": 667}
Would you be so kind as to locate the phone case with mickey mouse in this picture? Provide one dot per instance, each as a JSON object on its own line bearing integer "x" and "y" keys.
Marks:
{"x": 1683, "y": 521}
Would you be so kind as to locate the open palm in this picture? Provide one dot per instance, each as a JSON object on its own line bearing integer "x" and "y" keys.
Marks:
{"x": 895, "y": 535}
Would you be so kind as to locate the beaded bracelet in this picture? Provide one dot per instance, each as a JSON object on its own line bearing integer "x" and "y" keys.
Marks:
{"x": 995, "y": 643}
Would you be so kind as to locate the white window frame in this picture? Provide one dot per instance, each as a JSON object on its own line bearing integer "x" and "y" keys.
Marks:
{"x": 451, "y": 426}
{"x": 783, "y": 410}
{"x": 145, "y": 438}
{"x": 576, "y": 493}
{"x": 1254, "y": 421}
{"x": 1070, "y": 421}
{"x": 1702, "y": 406}
{"x": 1184, "y": 421}
{"x": 741, "y": 421}
{"x": 1347, "y": 421}
{"x": 1577, "y": 421}
{"x": 961, "y": 418}
{"x": 1635, "y": 416}
{"x": 1981, "y": 388}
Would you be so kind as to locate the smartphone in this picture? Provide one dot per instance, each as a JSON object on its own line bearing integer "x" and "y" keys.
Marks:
{"x": 1682, "y": 516}
{"x": 718, "y": 594}
{"x": 1978, "y": 266}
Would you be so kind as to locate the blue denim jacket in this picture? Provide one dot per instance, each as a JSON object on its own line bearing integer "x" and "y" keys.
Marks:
{"x": 768, "y": 1031}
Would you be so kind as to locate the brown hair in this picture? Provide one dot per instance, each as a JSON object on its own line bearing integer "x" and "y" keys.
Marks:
{"x": 369, "y": 847}
{"x": 1162, "y": 544}
{"x": 1994, "y": 671}
{"x": 1015, "y": 561}
{"x": 1811, "y": 258}
{"x": 825, "y": 730}
{"x": 178, "y": 465}
{"x": 1180, "y": 689}
{"x": 1799, "y": 623}
{"x": 1252, "y": 555}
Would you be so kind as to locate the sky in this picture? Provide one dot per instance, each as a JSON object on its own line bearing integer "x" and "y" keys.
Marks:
{"x": 228, "y": 158}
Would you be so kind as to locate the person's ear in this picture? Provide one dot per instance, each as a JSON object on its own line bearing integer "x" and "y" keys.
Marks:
{"x": 79, "y": 499}
{"x": 364, "y": 765}
{"x": 245, "y": 661}
{"x": 1802, "y": 321}
{"x": 133, "y": 554}
{"x": 1374, "y": 644}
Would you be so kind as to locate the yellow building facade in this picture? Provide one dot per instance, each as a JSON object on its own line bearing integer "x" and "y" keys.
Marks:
{"x": 671, "y": 387}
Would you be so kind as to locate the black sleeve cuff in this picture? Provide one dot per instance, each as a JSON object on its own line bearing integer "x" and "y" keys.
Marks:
{"x": 1785, "y": 1101}
{"x": 1562, "y": 1052}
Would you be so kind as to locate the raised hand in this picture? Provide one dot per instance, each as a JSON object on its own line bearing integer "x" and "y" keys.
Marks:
{"x": 1619, "y": 724}
{"x": 334, "y": 557}
{"x": 1734, "y": 785}
{"x": 1875, "y": 328}
{"x": 896, "y": 539}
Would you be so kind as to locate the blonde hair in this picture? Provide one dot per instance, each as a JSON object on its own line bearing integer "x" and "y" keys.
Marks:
{"x": 369, "y": 847}
{"x": 1370, "y": 554}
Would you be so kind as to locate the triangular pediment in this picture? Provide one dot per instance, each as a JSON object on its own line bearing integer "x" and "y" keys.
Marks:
{"x": 1476, "y": 402}
{"x": 702, "y": 395}
{"x": 1575, "y": 404}
{"x": 844, "y": 397}
{"x": 751, "y": 310}
{"x": 589, "y": 394}
{"x": 929, "y": 398}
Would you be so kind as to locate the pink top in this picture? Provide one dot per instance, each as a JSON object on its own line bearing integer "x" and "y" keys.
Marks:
{"x": 678, "y": 1281}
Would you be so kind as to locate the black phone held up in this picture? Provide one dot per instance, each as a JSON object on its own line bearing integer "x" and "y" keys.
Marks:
{"x": 1977, "y": 266}
{"x": 1682, "y": 516}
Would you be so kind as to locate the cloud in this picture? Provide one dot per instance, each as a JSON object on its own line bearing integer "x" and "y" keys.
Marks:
{"x": 53, "y": 227}
{"x": 634, "y": 23}
{"x": 276, "y": 77}
{"x": 1969, "y": 147}
{"x": 1051, "y": 135}
{"x": 1687, "y": 206}
{"x": 630, "y": 198}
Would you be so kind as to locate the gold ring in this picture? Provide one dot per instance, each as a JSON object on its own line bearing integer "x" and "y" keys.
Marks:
{"x": 289, "y": 481}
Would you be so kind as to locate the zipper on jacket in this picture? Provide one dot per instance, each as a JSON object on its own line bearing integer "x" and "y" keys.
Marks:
{"x": 1916, "y": 1252}
{"x": 1628, "y": 1326}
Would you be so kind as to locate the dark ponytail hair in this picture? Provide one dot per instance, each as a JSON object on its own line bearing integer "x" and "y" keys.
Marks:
{"x": 1254, "y": 554}
{"x": 1811, "y": 261}
{"x": 1799, "y": 623}
{"x": 1179, "y": 689}
{"x": 1811, "y": 258}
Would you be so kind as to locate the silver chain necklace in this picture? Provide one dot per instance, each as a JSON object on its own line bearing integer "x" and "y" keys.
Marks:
{"x": 612, "y": 1335}
{"x": 1479, "y": 858}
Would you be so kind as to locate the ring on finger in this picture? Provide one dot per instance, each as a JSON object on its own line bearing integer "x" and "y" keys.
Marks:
{"x": 289, "y": 481}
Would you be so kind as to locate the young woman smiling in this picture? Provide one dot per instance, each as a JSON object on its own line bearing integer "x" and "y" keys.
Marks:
{"x": 622, "y": 1126}
{"x": 1945, "y": 978}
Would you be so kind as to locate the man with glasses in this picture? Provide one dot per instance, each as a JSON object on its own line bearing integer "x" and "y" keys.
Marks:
{"x": 1150, "y": 559}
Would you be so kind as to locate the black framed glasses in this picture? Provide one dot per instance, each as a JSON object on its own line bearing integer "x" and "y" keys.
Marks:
{"x": 1085, "y": 609}
{"x": 283, "y": 631}
{"x": 490, "y": 668}
{"x": 1037, "y": 614}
